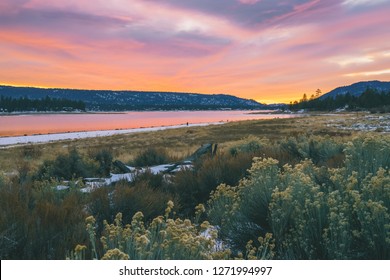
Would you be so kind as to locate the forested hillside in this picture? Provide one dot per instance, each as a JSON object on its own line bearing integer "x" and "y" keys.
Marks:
{"x": 371, "y": 99}
{"x": 47, "y": 104}
{"x": 109, "y": 100}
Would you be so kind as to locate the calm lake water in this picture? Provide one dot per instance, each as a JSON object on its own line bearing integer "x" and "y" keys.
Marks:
{"x": 30, "y": 124}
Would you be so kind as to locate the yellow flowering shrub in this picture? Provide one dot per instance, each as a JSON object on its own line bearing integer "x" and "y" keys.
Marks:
{"x": 311, "y": 210}
{"x": 163, "y": 238}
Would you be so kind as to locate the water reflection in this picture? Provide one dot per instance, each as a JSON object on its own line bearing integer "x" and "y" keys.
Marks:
{"x": 16, "y": 125}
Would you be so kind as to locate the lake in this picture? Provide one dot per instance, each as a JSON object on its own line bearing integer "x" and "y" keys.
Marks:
{"x": 30, "y": 124}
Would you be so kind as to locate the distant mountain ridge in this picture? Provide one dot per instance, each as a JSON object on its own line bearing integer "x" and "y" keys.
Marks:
{"x": 372, "y": 95}
{"x": 357, "y": 89}
{"x": 120, "y": 100}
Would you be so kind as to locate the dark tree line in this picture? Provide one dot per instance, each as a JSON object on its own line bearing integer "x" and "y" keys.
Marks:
{"x": 369, "y": 99}
{"x": 9, "y": 104}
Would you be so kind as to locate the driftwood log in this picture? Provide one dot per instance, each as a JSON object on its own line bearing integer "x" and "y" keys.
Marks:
{"x": 121, "y": 166}
{"x": 203, "y": 150}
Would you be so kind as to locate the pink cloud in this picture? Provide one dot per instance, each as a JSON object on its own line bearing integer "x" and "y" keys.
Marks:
{"x": 250, "y": 2}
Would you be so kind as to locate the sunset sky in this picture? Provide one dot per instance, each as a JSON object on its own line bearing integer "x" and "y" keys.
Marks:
{"x": 267, "y": 50}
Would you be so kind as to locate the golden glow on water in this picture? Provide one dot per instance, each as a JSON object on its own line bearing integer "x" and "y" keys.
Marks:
{"x": 56, "y": 123}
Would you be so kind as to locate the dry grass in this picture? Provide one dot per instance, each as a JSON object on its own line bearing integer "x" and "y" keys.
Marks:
{"x": 183, "y": 141}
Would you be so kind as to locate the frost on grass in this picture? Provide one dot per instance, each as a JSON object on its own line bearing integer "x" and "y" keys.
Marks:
{"x": 377, "y": 123}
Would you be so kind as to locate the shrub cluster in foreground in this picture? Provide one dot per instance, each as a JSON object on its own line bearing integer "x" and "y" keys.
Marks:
{"x": 299, "y": 198}
{"x": 312, "y": 212}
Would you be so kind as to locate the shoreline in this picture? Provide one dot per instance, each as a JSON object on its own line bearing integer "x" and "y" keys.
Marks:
{"x": 2, "y": 114}
{"x": 11, "y": 141}
{"x": 21, "y": 113}
{"x": 38, "y": 124}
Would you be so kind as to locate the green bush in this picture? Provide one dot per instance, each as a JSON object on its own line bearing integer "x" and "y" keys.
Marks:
{"x": 164, "y": 238}
{"x": 37, "y": 222}
{"x": 154, "y": 181}
{"x": 74, "y": 165}
{"x": 129, "y": 199}
{"x": 247, "y": 145}
{"x": 67, "y": 167}
{"x": 104, "y": 158}
{"x": 324, "y": 151}
{"x": 365, "y": 155}
{"x": 150, "y": 157}
{"x": 313, "y": 212}
{"x": 193, "y": 186}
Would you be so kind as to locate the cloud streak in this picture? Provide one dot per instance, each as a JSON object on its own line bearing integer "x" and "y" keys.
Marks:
{"x": 267, "y": 50}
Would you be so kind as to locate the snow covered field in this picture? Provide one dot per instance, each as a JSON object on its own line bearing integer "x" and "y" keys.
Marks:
{"x": 369, "y": 122}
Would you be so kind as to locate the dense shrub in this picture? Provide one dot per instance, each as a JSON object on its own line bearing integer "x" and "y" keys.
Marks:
{"x": 95, "y": 163}
{"x": 248, "y": 145}
{"x": 37, "y": 222}
{"x": 313, "y": 212}
{"x": 145, "y": 193}
{"x": 150, "y": 157}
{"x": 146, "y": 177}
{"x": 164, "y": 238}
{"x": 100, "y": 205}
{"x": 193, "y": 186}
{"x": 324, "y": 151}
{"x": 104, "y": 158}
{"x": 140, "y": 197}
{"x": 366, "y": 155}
{"x": 67, "y": 167}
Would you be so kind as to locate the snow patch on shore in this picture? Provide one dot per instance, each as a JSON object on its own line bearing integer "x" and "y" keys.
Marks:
{"x": 375, "y": 123}
{"x": 95, "y": 183}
